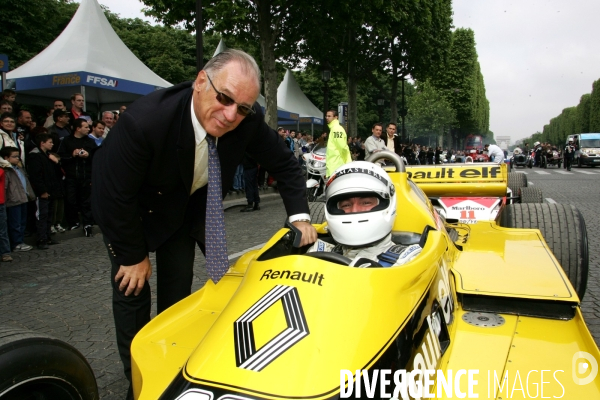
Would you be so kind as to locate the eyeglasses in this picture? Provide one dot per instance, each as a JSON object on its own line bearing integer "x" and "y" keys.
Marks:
{"x": 227, "y": 101}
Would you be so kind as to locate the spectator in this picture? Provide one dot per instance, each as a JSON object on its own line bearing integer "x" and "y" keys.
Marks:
{"x": 122, "y": 109}
{"x": 7, "y": 127}
{"x": 45, "y": 185}
{"x": 10, "y": 96}
{"x": 238, "y": 180}
{"x": 430, "y": 155}
{"x": 24, "y": 122}
{"x": 422, "y": 157}
{"x": 108, "y": 119}
{"x": 18, "y": 193}
{"x": 77, "y": 104}
{"x": 60, "y": 129}
{"x": 76, "y": 153}
{"x": 97, "y": 132}
{"x": 297, "y": 147}
{"x": 58, "y": 105}
{"x": 391, "y": 139}
{"x": 5, "y": 107}
{"x": 438, "y": 155}
{"x": 4, "y": 242}
{"x": 250, "y": 178}
{"x": 374, "y": 143}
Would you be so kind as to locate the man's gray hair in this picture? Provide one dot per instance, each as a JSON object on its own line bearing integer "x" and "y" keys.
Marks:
{"x": 246, "y": 61}
{"x": 108, "y": 112}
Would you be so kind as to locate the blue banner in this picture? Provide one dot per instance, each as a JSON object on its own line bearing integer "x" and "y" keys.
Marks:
{"x": 3, "y": 63}
{"x": 85, "y": 79}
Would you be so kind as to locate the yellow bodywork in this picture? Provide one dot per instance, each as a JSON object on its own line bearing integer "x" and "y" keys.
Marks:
{"x": 353, "y": 315}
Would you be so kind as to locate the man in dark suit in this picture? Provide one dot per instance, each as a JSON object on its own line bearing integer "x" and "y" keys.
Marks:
{"x": 392, "y": 137}
{"x": 150, "y": 182}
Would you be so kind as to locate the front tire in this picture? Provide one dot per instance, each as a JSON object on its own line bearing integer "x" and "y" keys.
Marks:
{"x": 37, "y": 366}
{"x": 563, "y": 228}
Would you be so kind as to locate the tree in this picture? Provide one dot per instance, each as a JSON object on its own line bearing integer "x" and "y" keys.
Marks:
{"x": 583, "y": 114}
{"x": 429, "y": 112}
{"x": 462, "y": 84}
{"x": 29, "y": 26}
{"x": 418, "y": 45}
{"x": 595, "y": 107}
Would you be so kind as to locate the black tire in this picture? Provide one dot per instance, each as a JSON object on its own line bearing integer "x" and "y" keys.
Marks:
{"x": 559, "y": 164}
{"x": 37, "y": 366}
{"x": 317, "y": 212}
{"x": 516, "y": 180}
{"x": 311, "y": 194}
{"x": 563, "y": 228}
{"x": 530, "y": 195}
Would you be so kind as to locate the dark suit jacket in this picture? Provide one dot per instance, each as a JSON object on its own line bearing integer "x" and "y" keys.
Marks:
{"x": 142, "y": 174}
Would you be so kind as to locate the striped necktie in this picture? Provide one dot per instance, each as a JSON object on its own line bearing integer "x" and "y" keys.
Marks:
{"x": 217, "y": 262}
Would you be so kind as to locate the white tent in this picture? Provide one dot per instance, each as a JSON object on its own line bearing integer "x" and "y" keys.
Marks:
{"x": 291, "y": 97}
{"x": 87, "y": 57}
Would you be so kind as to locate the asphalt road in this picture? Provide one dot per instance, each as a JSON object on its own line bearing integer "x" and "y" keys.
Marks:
{"x": 65, "y": 291}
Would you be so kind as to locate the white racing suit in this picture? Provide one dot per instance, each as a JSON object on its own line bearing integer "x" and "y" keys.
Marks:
{"x": 385, "y": 252}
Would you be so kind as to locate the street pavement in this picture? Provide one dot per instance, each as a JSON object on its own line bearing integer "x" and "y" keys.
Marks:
{"x": 65, "y": 291}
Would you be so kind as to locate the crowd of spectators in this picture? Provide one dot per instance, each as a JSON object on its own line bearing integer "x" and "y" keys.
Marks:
{"x": 45, "y": 171}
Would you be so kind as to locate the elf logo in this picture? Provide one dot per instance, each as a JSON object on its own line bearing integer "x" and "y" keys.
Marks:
{"x": 102, "y": 81}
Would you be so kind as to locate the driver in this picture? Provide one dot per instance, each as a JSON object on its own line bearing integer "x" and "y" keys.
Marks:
{"x": 360, "y": 208}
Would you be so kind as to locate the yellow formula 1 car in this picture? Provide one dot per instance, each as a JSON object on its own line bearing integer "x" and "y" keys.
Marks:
{"x": 488, "y": 310}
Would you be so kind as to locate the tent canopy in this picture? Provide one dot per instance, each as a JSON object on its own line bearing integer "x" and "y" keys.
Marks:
{"x": 291, "y": 97}
{"x": 88, "y": 56}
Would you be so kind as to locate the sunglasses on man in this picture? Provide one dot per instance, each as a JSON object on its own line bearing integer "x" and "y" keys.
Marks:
{"x": 227, "y": 101}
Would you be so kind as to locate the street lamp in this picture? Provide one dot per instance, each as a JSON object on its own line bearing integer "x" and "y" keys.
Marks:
{"x": 325, "y": 77}
{"x": 380, "y": 103}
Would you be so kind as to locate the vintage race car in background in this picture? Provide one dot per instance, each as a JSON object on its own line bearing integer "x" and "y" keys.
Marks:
{"x": 521, "y": 159}
{"x": 496, "y": 298}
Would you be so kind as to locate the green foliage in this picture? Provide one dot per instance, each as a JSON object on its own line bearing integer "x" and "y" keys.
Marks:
{"x": 429, "y": 112}
{"x": 595, "y": 108}
{"x": 583, "y": 114}
{"x": 29, "y": 26}
{"x": 462, "y": 83}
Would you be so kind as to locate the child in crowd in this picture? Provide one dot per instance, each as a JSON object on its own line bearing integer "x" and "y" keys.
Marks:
{"x": 18, "y": 193}
{"x": 4, "y": 243}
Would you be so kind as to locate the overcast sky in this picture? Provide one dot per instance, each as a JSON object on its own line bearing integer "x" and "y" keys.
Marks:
{"x": 537, "y": 56}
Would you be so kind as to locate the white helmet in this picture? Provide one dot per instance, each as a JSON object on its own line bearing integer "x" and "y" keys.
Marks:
{"x": 570, "y": 139}
{"x": 360, "y": 179}
{"x": 536, "y": 143}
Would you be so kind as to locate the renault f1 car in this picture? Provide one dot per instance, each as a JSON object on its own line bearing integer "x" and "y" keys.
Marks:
{"x": 490, "y": 308}
{"x": 500, "y": 297}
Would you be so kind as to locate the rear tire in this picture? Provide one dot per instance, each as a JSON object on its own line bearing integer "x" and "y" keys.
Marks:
{"x": 37, "y": 366}
{"x": 563, "y": 228}
{"x": 317, "y": 212}
{"x": 516, "y": 180}
{"x": 530, "y": 195}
